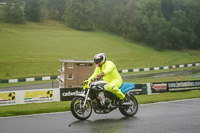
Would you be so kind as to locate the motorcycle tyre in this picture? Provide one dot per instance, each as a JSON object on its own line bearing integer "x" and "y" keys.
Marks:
{"x": 73, "y": 108}
{"x": 123, "y": 110}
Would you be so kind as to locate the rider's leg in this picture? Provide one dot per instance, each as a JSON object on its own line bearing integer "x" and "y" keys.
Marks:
{"x": 113, "y": 87}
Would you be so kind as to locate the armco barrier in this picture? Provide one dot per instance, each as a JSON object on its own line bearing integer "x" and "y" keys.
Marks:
{"x": 142, "y": 88}
{"x": 120, "y": 71}
{"x": 159, "y": 68}
{"x": 66, "y": 94}
{"x": 50, "y": 95}
{"x": 29, "y": 79}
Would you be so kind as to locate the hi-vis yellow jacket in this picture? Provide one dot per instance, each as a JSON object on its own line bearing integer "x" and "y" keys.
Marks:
{"x": 110, "y": 72}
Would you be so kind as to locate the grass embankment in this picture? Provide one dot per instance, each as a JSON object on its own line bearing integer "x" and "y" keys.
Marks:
{"x": 183, "y": 77}
{"x": 36, "y": 108}
{"x": 34, "y": 49}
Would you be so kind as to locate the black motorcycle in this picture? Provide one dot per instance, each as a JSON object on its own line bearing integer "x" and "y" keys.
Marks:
{"x": 96, "y": 97}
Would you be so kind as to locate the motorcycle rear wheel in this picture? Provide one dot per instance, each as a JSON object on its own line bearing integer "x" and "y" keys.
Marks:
{"x": 130, "y": 110}
{"x": 77, "y": 108}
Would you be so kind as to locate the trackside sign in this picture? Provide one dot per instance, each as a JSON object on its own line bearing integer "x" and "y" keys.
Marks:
{"x": 38, "y": 96}
{"x": 67, "y": 94}
{"x": 7, "y": 98}
{"x": 29, "y": 96}
{"x": 175, "y": 86}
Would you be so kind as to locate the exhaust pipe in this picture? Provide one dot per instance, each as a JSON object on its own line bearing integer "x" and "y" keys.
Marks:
{"x": 126, "y": 104}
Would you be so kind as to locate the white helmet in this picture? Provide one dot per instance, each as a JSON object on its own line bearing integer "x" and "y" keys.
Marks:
{"x": 99, "y": 59}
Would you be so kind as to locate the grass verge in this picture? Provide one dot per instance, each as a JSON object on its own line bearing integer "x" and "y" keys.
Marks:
{"x": 37, "y": 108}
{"x": 34, "y": 108}
{"x": 169, "y": 96}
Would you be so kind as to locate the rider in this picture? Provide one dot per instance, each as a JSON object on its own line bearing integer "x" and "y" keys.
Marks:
{"x": 108, "y": 71}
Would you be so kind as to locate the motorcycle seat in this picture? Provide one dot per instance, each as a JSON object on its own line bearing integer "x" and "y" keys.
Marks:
{"x": 127, "y": 87}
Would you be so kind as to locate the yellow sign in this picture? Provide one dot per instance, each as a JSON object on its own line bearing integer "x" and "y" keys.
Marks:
{"x": 7, "y": 96}
{"x": 44, "y": 93}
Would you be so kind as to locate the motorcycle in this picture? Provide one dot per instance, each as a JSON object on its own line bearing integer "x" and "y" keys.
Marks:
{"x": 96, "y": 97}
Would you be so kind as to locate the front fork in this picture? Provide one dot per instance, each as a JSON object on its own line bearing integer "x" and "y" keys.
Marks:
{"x": 86, "y": 98}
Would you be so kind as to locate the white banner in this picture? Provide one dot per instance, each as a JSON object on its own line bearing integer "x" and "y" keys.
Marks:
{"x": 29, "y": 96}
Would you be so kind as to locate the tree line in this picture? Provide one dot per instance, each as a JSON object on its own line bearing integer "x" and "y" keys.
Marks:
{"x": 162, "y": 24}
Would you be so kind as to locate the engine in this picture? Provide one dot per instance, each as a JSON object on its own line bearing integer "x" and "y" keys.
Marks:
{"x": 103, "y": 104}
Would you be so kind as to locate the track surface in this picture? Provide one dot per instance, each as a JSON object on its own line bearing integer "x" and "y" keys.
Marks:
{"x": 167, "y": 117}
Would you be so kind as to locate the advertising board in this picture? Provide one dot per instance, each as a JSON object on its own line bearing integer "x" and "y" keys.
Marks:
{"x": 38, "y": 96}
{"x": 29, "y": 96}
{"x": 7, "y": 98}
{"x": 67, "y": 94}
{"x": 175, "y": 86}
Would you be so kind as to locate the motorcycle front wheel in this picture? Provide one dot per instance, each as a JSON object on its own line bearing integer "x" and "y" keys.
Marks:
{"x": 132, "y": 109}
{"x": 78, "y": 110}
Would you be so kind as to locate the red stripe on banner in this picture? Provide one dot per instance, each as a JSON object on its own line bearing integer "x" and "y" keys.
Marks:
{"x": 43, "y": 97}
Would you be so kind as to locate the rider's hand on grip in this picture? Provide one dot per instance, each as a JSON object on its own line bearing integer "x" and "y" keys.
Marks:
{"x": 100, "y": 75}
{"x": 86, "y": 84}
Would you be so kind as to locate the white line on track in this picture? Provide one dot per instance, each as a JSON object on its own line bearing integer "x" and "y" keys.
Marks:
{"x": 32, "y": 115}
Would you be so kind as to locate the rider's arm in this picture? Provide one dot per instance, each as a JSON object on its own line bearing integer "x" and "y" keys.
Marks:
{"x": 94, "y": 75}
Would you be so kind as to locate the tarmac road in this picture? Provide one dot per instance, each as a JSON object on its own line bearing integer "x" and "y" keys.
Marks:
{"x": 167, "y": 117}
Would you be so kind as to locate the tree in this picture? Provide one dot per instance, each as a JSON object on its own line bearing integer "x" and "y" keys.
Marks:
{"x": 13, "y": 12}
{"x": 183, "y": 16}
{"x": 79, "y": 14}
{"x": 32, "y": 10}
{"x": 56, "y": 8}
{"x": 104, "y": 9}
{"x": 131, "y": 19}
{"x": 154, "y": 27}
{"x": 197, "y": 33}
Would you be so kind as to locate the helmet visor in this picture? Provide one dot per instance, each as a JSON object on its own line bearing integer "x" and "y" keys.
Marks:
{"x": 97, "y": 61}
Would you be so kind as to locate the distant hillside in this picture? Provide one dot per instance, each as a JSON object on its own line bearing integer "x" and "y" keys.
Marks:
{"x": 34, "y": 49}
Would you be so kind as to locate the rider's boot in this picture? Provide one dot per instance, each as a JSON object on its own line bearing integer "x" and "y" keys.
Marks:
{"x": 121, "y": 101}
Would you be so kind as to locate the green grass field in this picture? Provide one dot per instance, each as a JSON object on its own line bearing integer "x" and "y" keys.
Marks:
{"x": 34, "y": 49}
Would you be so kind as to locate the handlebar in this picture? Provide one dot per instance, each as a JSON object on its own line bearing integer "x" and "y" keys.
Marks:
{"x": 92, "y": 80}
{"x": 96, "y": 79}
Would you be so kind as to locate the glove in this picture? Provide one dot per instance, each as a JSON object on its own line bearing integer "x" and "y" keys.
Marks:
{"x": 100, "y": 75}
{"x": 86, "y": 84}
